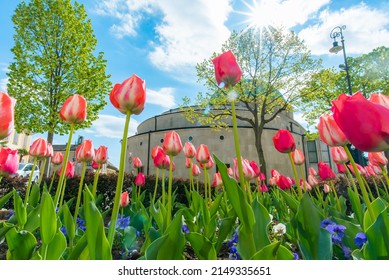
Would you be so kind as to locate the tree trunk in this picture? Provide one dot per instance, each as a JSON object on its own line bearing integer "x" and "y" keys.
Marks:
{"x": 50, "y": 137}
{"x": 258, "y": 145}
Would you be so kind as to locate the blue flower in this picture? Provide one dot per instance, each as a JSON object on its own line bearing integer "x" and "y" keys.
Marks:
{"x": 360, "y": 239}
{"x": 337, "y": 232}
{"x": 326, "y": 222}
{"x": 234, "y": 254}
{"x": 63, "y": 229}
{"x": 10, "y": 214}
{"x": 81, "y": 224}
{"x": 234, "y": 240}
{"x": 295, "y": 256}
{"x": 346, "y": 252}
{"x": 185, "y": 229}
{"x": 122, "y": 223}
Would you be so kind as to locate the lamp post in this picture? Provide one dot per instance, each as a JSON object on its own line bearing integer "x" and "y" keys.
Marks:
{"x": 335, "y": 33}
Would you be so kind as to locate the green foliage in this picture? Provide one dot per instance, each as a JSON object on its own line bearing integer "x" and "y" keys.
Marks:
{"x": 54, "y": 57}
{"x": 21, "y": 244}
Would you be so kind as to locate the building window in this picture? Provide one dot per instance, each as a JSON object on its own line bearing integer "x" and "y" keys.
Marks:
{"x": 325, "y": 153}
{"x": 190, "y": 138}
{"x": 140, "y": 144}
{"x": 161, "y": 140}
{"x": 16, "y": 136}
{"x": 312, "y": 152}
{"x": 227, "y": 165}
{"x": 221, "y": 137}
{"x": 141, "y": 169}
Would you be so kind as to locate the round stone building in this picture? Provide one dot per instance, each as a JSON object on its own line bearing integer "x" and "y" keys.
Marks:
{"x": 151, "y": 132}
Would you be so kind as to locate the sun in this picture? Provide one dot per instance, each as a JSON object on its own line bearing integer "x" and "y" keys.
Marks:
{"x": 260, "y": 14}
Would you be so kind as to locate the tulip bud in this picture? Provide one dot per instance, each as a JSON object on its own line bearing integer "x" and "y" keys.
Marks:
{"x": 188, "y": 162}
{"x": 298, "y": 157}
{"x": 69, "y": 171}
{"x": 38, "y": 148}
{"x": 202, "y": 154}
{"x": 57, "y": 158}
{"x": 7, "y": 105}
{"x": 73, "y": 110}
{"x": 130, "y": 96}
{"x": 140, "y": 179}
{"x": 377, "y": 158}
{"x": 189, "y": 150}
{"x": 124, "y": 199}
{"x": 9, "y": 161}
{"x": 195, "y": 170}
{"x": 255, "y": 168}
{"x": 284, "y": 141}
{"x": 137, "y": 163}
{"x": 49, "y": 151}
{"x": 341, "y": 168}
{"x": 172, "y": 143}
{"x": 326, "y": 188}
{"x": 85, "y": 151}
{"x": 263, "y": 188}
{"x": 217, "y": 180}
{"x": 207, "y": 165}
{"x": 325, "y": 171}
{"x": 312, "y": 171}
{"x": 329, "y": 131}
{"x": 227, "y": 69}
{"x": 284, "y": 182}
{"x": 339, "y": 155}
{"x": 101, "y": 155}
{"x": 155, "y": 150}
{"x": 312, "y": 180}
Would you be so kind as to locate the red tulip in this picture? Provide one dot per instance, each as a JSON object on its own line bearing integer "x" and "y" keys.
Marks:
{"x": 227, "y": 69}
{"x": 7, "y": 105}
{"x": 137, "y": 163}
{"x": 262, "y": 176}
{"x": 9, "y": 161}
{"x": 189, "y": 150}
{"x": 325, "y": 171}
{"x": 202, "y": 154}
{"x": 255, "y": 168}
{"x": 274, "y": 173}
{"x": 101, "y": 155}
{"x": 69, "y": 171}
{"x": 339, "y": 155}
{"x": 312, "y": 171}
{"x": 129, "y": 96}
{"x": 360, "y": 168}
{"x": 85, "y": 151}
{"x": 284, "y": 141}
{"x": 298, "y": 157}
{"x": 38, "y": 148}
{"x": 74, "y": 109}
{"x": 57, "y": 158}
{"x": 172, "y": 143}
{"x": 217, "y": 180}
{"x": 284, "y": 182}
{"x": 363, "y": 122}
{"x": 312, "y": 180}
{"x": 341, "y": 168}
{"x": 329, "y": 131}
{"x": 188, "y": 162}
{"x": 196, "y": 170}
{"x": 378, "y": 158}
{"x": 379, "y": 98}
{"x": 95, "y": 165}
{"x": 263, "y": 188}
{"x": 140, "y": 179}
{"x": 159, "y": 159}
{"x": 207, "y": 165}
{"x": 155, "y": 150}
{"x": 124, "y": 199}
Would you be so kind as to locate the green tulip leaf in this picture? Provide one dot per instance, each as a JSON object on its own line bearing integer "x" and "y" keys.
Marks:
{"x": 215, "y": 205}
{"x": 355, "y": 205}
{"x": 33, "y": 220}
{"x": 378, "y": 205}
{"x": 21, "y": 244}
{"x": 20, "y": 210}
{"x": 48, "y": 220}
{"x": 68, "y": 221}
{"x": 57, "y": 247}
{"x": 224, "y": 229}
{"x": 290, "y": 201}
{"x": 4, "y": 228}
{"x": 202, "y": 246}
{"x": 79, "y": 248}
{"x": 262, "y": 222}
{"x": 5, "y": 198}
{"x": 129, "y": 237}
{"x": 34, "y": 195}
{"x": 273, "y": 251}
{"x": 377, "y": 246}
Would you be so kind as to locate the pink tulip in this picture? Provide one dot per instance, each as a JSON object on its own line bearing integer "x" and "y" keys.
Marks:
{"x": 73, "y": 110}
{"x": 305, "y": 186}
{"x": 255, "y": 168}
{"x": 49, "y": 151}
{"x": 284, "y": 141}
{"x": 262, "y": 176}
{"x": 378, "y": 158}
{"x": 284, "y": 182}
{"x": 230, "y": 172}
{"x": 325, "y": 171}
{"x": 38, "y": 148}
{"x": 312, "y": 171}
{"x": 172, "y": 143}
{"x": 69, "y": 171}
{"x": 124, "y": 199}
{"x": 207, "y": 165}
{"x": 379, "y": 98}
{"x": 85, "y": 151}
{"x": 369, "y": 171}
{"x": 227, "y": 69}
{"x": 298, "y": 157}
{"x": 312, "y": 180}
{"x": 326, "y": 188}
{"x": 341, "y": 168}
{"x": 95, "y": 165}
{"x": 195, "y": 170}
{"x": 274, "y": 173}
{"x": 329, "y": 131}
{"x": 140, "y": 179}
{"x": 137, "y": 163}
{"x": 189, "y": 150}
{"x": 7, "y": 105}
{"x": 273, "y": 181}
{"x": 129, "y": 96}
{"x": 57, "y": 158}
{"x": 159, "y": 159}
{"x": 360, "y": 168}
{"x": 155, "y": 150}
{"x": 202, "y": 154}
{"x": 9, "y": 161}
{"x": 217, "y": 180}
{"x": 339, "y": 155}
{"x": 263, "y": 188}
{"x": 363, "y": 122}
{"x": 188, "y": 162}
{"x": 101, "y": 155}
{"x": 377, "y": 170}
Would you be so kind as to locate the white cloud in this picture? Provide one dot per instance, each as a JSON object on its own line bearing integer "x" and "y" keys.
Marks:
{"x": 163, "y": 97}
{"x": 3, "y": 84}
{"x": 4, "y": 67}
{"x": 367, "y": 28}
{"x": 111, "y": 127}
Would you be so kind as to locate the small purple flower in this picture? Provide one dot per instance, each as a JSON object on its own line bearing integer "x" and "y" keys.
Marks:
{"x": 122, "y": 223}
{"x": 295, "y": 256}
{"x": 63, "y": 230}
{"x": 337, "y": 232}
{"x": 10, "y": 214}
{"x": 234, "y": 240}
{"x": 185, "y": 229}
{"x": 81, "y": 224}
{"x": 346, "y": 252}
{"x": 326, "y": 222}
{"x": 234, "y": 254}
{"x": 360, "y": 239}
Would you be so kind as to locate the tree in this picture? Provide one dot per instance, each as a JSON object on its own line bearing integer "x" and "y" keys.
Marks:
{"x": 275, "y": 65}
{"x": 53, "y": 59}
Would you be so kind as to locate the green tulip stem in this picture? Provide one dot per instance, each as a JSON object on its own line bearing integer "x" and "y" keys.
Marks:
{"x": 169, "y": 191}
{"x": 64, "y": 165}
{"x": 237, "y": 148}
{"x": 197, "y": 184}
{"x": 119, "y": 185}
{"x": 352, "y": 181}
{"x": 209, "y": 190}
{"x": 80, "y": 187}
{"x": 29, "y": 182}
{"x": 361, "y": 184}
{"x": 163, "y": 187}
{"x": 156, "y": 185}
{"x": 53, "y": 177}
{"x": 63, "y": 193}
{"x": 303, "y": 177}
{"x": 42, "y": 171}
{"x": 205, "y": 185}
{"x": 95, "y": 180}
{"x": 385, "y": 173}
{"x": 376, "y": 188}
{"x": 368, "y": 189}
{"x": 336, "y": 196}
{"x": 296, "y": 176}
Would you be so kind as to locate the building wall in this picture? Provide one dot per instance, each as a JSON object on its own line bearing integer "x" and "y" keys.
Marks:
{"x": 17, "y": 141}
{"x": 151, "y": 133}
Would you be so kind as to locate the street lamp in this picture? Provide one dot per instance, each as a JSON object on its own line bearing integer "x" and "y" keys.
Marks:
{"x": 335, "y": 33}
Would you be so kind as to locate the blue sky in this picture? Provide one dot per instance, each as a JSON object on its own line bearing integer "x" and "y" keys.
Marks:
{"x": 162, "y": 40}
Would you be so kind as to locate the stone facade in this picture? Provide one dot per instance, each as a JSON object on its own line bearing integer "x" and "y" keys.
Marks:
{"x": 151, "y": 133}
